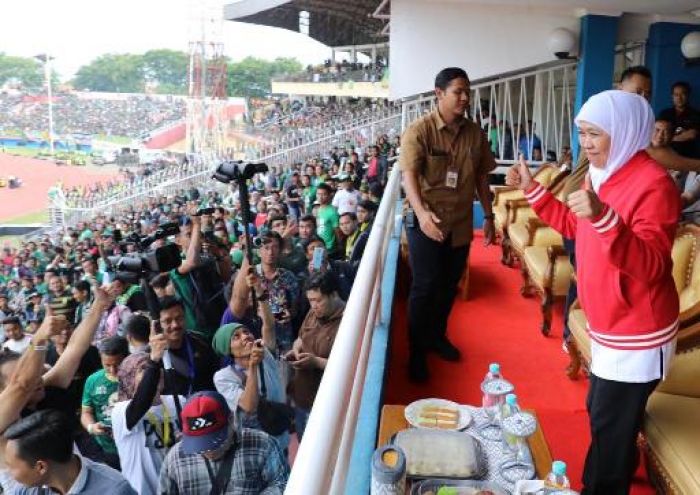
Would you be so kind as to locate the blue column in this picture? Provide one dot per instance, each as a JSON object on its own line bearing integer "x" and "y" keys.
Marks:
{"x": 596, "y": 60}
{"x": 667, "y": 65}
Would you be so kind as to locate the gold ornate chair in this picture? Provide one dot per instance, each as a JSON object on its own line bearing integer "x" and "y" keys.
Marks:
{"x": 547, "y": 271}
{"x": 510, "y": 205}
{"x": 671, "y": 436}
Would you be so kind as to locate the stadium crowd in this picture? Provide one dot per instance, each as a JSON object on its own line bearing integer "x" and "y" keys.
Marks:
{"x": 190, "y": 362}
{"x": 341, "y": 72}
{"x": 84, "y": 114}
{"x": 286, "y": 123}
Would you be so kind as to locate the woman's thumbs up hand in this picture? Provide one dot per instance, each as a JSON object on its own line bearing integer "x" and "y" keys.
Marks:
{"x": 585, "y": 203}
{"x": 519, "y": 175}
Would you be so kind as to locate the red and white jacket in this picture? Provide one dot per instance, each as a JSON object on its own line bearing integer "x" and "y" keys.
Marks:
{"x": 623, "y": 257}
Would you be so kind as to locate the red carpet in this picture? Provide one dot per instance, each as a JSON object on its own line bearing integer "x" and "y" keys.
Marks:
{"x": 496, "y": 324}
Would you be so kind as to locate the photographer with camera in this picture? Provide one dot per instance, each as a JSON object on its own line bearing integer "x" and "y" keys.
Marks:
{"x": 282, "y": 286}
{"x": 193, "y": 361}
{"x": 292, "y": 255}
{"x": 254, "y": 377}
{"x": 197, "y": 281}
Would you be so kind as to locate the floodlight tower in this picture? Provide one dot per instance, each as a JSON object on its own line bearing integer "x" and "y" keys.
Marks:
{"x": 206, "y": 104}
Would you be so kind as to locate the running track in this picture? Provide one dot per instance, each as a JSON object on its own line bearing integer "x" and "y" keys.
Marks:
{"x": 38, "y": 176}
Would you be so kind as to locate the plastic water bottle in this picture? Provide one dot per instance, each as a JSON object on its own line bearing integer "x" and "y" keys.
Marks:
{"x": 557, "y": 479}
{"x": 508, "y": 409}
{"x": 488, "y": 401}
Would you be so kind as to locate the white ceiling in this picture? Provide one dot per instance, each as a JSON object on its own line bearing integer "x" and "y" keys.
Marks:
{"x": 658, "y": 7}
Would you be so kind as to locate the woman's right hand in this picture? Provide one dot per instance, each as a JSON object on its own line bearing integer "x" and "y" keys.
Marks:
{"x": 519, "y": 175}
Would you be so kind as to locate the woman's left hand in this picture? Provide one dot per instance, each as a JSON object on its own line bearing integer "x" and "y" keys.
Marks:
{"x": 585, "y": 203}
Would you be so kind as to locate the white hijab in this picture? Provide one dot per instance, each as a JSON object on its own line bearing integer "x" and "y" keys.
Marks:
{"x": 627, "y": 118}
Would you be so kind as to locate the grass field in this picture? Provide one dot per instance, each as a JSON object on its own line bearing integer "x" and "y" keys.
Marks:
{"x": 41, "y": 216}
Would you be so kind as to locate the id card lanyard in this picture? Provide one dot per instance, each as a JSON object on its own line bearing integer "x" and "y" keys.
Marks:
{"x": 452, "y": 175}
{"x": 162, "y": 429}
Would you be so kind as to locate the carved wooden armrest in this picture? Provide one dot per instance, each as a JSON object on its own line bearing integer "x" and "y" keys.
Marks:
{"x": 512, "y": 205}
{"x": 690, "y": 316}
{"x": 688, "y": 338}
{"x": 535, "y": 223}
{"x": 498, "y": 190}
{"x": 553, "y": 252}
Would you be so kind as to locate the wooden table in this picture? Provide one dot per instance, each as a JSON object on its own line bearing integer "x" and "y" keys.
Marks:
{"x": 393, "y": 420}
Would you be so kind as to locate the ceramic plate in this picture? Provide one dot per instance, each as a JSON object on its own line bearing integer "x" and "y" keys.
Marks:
{"x": 413, "y": 411}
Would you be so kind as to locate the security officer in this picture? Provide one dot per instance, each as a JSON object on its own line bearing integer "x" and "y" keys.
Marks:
{"x": 445, "y": 160}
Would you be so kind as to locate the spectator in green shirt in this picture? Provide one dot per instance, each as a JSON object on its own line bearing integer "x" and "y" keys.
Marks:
{"x": 328, "y": 220}
{"x": 308, "y": 193}
{"x": 99, "y": 395}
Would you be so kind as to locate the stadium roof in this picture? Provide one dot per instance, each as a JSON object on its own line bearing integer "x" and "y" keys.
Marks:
{"x": 332, "y": 22}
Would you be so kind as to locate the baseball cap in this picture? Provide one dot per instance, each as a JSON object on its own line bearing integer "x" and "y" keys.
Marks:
{"x": 205, "y": 422}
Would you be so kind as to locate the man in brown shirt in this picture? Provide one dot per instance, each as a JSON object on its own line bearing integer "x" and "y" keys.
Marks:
{"x": 311, "y": 349}
{"x": 445, "y": 160}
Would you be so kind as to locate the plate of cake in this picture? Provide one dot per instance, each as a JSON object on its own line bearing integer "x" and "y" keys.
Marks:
{"x": 438, "y": 414}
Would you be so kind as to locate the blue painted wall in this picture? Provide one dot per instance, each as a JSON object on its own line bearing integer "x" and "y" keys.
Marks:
{"x": 667, "y": 64}
{"x": 597, "y": 60}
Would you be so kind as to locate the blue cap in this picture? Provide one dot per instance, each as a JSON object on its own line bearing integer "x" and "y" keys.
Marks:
{"x": 494, "y": 368}
{"x": 511, "y": 399}
{"x": 559, "y": 468}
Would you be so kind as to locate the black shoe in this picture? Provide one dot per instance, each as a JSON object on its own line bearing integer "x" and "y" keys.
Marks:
{"x": 418, "y": 369}
{"x": 446, "y": 350}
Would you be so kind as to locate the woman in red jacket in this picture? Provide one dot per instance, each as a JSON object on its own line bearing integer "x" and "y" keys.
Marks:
{"x": 624, "y": 221}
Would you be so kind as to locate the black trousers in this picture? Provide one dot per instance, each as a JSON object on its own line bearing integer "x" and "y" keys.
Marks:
{"x": 436, "y": 268}
{"x": 616, "y": 412}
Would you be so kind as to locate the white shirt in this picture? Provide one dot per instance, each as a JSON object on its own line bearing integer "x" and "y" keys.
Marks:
{"x": 229, "y": 384}
{"x": 631, "y": 366}
{"x": 141, "y": 451}
{"x": 346, "y": 201}
{"x": 18, "y": 346}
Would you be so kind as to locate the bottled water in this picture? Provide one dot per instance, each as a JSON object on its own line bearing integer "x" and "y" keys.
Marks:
{"x": 508, "y": 409}
{"x": 488, "y": 401}
{"x": 556, "y": 479}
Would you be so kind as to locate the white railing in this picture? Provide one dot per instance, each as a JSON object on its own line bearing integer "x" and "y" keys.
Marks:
{"x": 544, "y": 96}
{"x": 322, "y": 462}
{"x": 68, "y": 211}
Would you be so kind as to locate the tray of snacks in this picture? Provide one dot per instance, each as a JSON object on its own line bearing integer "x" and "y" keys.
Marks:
{"x": 441, "y": 454}
{"x": 454, "y": 487}
{"x": 437, "y": 414}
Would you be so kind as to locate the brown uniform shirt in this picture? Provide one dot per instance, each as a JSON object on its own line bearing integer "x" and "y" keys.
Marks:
{"x": 317, "y": 337}
{"x": 432, "y": 149}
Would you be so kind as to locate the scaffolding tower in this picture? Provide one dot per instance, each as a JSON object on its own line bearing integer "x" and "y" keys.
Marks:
{"x": 206, "y": 105}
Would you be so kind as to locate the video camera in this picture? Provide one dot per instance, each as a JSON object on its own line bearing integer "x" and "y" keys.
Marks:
{"x": 131, "y": 267}
{"x": 239, "y": 170}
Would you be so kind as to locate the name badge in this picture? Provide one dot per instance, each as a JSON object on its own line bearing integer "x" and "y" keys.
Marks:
{"x": 451, "y": 178}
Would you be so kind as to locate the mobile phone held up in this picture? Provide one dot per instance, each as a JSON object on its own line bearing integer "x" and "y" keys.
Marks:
{"x": 317, "y": 259}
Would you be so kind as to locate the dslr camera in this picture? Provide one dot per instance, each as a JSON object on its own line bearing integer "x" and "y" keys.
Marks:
{"x": 238, "y": 170}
